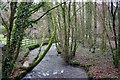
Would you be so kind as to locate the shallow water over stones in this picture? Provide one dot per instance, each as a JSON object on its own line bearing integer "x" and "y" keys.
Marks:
{"x": 53, "y": 66}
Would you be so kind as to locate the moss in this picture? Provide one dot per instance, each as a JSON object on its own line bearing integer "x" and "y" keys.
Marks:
{"x": 37, "y": 45}
{"x": 90, "y": 74}
{"x": 77, "y": 63}
{"x": 74, "y": 62}
{"x": 33, "y": 47}
{"x": 86, "y": 66}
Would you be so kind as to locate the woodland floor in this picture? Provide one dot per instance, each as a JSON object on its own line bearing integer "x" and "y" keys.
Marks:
{"x": 100, "y": 65}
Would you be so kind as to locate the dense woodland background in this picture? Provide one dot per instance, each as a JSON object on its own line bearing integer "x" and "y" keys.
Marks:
{"x": 72, "y": 26}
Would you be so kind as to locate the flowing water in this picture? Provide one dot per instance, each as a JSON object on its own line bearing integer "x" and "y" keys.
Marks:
{"x": 53, "y": 66}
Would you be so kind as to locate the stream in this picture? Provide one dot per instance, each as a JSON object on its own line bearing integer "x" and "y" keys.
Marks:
{"x": 53, "y": 66}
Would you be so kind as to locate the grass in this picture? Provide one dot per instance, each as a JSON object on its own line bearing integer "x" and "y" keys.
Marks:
{"x": 25, "y": 42}
{"x": 74, "y": 62}
{"x": 28, "y": 42}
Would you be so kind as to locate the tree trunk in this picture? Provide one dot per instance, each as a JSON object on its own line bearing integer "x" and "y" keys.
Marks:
{"x": 118, "y": 53}
{"x": 95, "y": 27}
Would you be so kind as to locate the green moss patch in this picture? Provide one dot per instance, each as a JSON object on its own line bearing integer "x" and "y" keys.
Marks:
{"x": 74, "y": 62}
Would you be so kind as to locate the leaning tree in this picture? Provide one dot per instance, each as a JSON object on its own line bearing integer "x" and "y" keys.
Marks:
{"x": 19, "y": 21}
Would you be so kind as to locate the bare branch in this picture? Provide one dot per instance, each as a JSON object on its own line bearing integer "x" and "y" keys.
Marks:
{"x": 115, "y": 9}
{"x": 34, "y": 21}
{"x": 37, "y": 8}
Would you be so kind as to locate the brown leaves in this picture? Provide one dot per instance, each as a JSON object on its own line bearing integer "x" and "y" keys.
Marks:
{"x": 103, "y": 72}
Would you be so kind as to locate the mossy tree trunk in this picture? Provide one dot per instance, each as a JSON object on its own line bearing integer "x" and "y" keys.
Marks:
{"x": 83, "y": 24}
{"x": 67, "y": 30}
{"x": 95, "y": 27}
{"x": 65, "y": 46}
{"x": 19, "y": 21}
{"x": 14, "y": 38}
{"x": 88, "y": 29}
{"x": 75, "y": 29}
{"x": 103, "y": 34}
